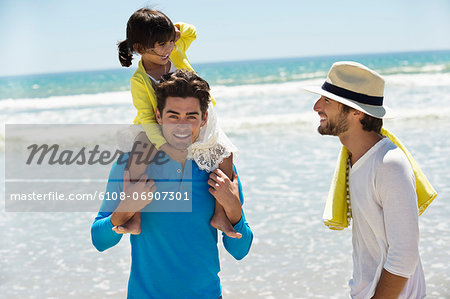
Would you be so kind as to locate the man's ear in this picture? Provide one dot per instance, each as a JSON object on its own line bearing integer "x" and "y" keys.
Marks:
{"x": 358, "y": 114}
{"x": 205, "y": 119}
{"x": 158, "y": 116}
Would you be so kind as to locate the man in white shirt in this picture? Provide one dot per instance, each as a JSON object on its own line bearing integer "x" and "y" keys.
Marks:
{"x": 386, "y": 261}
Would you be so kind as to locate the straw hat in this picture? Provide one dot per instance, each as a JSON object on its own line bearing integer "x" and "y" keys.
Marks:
{"x": 356, "y": 86}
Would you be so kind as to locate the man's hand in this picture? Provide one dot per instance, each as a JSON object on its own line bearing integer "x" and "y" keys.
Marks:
{"x": 136, "y": 198}
{"x": 174, "y": 154}
{"x": 133, "y": 226}
{"x": 226, "y": 192}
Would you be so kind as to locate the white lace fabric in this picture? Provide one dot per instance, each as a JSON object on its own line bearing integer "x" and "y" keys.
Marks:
{"x": 212, "y": 145}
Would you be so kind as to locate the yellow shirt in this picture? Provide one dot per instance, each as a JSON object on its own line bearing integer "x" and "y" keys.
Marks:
{"x": 144, "y": 98}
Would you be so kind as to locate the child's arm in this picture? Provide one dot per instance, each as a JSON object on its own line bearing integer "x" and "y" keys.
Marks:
{"x": 188, "y": 33}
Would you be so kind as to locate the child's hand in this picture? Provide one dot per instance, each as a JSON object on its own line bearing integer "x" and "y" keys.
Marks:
{"x": 132, "y": 226}
{"x": 177, "y": 33}
{"x": 174, "y": 154}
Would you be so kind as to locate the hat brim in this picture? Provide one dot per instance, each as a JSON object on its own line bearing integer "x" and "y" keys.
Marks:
{"x": 375, "y": 111}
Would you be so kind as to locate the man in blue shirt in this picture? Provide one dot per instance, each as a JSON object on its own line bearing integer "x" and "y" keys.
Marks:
{"x": 176, "y": 254}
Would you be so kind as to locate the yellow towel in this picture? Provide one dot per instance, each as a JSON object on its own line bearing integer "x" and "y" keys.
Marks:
{"x": 336, "y": 208}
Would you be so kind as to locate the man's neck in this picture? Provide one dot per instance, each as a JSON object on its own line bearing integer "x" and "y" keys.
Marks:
{"x": 359, "y": 142}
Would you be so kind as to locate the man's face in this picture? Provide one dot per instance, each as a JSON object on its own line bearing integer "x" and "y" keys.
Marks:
{"x": 333, "y": 121}
{"x": 181, "y": 120}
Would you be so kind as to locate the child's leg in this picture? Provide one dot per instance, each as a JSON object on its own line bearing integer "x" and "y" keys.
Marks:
{"x": 133, "y": 226}
{"x": 220, "y": 219}
{"x": 141, "y": 155}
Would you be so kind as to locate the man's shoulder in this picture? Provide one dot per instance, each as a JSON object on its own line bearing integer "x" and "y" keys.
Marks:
{"x": 392, "y": 158}
{"x": 385, "y": 149}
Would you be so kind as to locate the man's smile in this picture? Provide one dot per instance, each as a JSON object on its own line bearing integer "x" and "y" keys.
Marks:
{"x": 182, "y": 135}
{"x": 323, "y": 117}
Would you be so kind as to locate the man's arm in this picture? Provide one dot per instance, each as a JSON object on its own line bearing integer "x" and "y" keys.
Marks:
{"x": 239, "y": 248}
{"x": 229, "y": 194}
{"x": 389, "y": 286}
{"x": 115, "y": 211}
{"x": 102, "y": 235}
{"x": 396, "y": 187}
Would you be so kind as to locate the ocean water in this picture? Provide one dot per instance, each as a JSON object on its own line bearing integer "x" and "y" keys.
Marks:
{"x": 284, "y": 164}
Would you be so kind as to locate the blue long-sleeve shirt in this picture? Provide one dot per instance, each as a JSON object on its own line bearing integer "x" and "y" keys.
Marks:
{"x": 176, "y": 254}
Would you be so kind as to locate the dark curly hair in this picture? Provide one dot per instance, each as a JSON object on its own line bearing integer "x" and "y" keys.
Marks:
{"x": 183, "y": 84}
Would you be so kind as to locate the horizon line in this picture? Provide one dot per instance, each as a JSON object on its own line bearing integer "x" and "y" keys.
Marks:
{"x": 232, "y": 61}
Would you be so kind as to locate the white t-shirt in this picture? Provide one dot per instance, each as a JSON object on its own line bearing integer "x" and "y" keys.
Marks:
{"x": 385, "y": 221}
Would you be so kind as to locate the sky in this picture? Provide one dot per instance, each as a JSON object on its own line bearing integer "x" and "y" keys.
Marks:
{"x": 48, "y": 36}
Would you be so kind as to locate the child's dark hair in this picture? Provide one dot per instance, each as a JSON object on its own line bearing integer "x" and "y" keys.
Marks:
{"x": 144, "y": 28}
{"x": 183, "y": 83}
